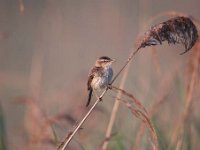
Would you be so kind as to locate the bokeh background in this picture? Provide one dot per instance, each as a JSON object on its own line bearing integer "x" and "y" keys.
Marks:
{"x": 47, "y": 48}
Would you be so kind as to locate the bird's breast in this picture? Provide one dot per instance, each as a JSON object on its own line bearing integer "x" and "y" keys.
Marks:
{"x": 102, "y": 80}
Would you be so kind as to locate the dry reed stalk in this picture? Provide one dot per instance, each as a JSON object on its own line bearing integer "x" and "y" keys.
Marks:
{"x": 194, "y": 64}
{"x": 165, "y": 85}
{"x": 135, "y": 103}
{"x": 194, "y": 71}
{"x": 35, "y": 120}
{"x": 146, "y": 121}
{"x": 138, "y": 109}
{"x": 36, "y": 73}
{"x": 114, "y": 111}
{"x": 179, "y": 129}
{"x": 156, "y": 61}
{"x": 21, "y": 7}
{"x": 69, "y": 136}
{"x": 134, "y": 100}
{"x": 116, "y": 104}
{"x": 36, "y": 124}
{"x": 139, "y": 136}
{"x": 175, "y": 30}
{"x": 60, "y": 117}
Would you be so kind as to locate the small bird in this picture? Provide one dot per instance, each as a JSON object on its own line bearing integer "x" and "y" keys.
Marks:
{"x": 100, "y": 75}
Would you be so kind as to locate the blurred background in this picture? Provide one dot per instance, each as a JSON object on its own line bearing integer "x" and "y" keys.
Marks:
{"x": 47, "y": 48}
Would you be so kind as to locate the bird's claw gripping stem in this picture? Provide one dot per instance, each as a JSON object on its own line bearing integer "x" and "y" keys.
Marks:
{"x": 100, "y": 99}
{"x": 109, "y": 86}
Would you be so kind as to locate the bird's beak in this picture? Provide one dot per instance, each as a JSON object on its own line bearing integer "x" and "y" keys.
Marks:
{"x": 113, "y": 60}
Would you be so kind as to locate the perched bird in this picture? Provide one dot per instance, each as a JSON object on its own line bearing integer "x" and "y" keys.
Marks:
{"x": 100, "y": 75}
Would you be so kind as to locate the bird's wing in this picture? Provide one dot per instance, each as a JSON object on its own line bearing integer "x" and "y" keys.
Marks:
{"x": 93, "y": 72}
{"x": 89, "y": 87}
{"x": 90, "y": 77}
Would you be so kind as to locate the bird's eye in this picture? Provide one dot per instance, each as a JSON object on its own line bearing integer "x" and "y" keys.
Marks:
{"x": 103, "y": 60}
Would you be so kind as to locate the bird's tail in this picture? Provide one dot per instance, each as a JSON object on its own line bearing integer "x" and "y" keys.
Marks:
{"x": 89, "y": 97}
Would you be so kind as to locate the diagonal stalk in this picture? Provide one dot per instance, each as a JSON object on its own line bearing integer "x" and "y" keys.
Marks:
{"x": 116, "y": 104}
{"x": 64, "y": 144}
{"x": 68, "y": 138}
{"x": 126, "y": 63}
{"x": 114, "y": 110}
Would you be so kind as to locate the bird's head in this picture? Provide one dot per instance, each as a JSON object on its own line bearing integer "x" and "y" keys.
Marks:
{"x": 104, "y": 61}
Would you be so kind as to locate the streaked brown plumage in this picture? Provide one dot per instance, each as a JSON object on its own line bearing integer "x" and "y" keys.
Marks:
{"x": 100, "y": 75}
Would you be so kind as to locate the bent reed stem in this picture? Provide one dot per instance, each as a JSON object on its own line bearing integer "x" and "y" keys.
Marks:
{"x": 68, "y": 138}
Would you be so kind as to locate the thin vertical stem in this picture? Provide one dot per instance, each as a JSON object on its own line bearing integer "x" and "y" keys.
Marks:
{"x": 114, "y": 110}
{"x": 179, "y": 130}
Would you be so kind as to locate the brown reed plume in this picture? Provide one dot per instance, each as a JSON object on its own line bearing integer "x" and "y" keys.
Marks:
{"x": 175, "y": 14}
{"x": 175, "y": 30}
{"x": 177, "y": 138}
{"x": 166, "y": 31}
